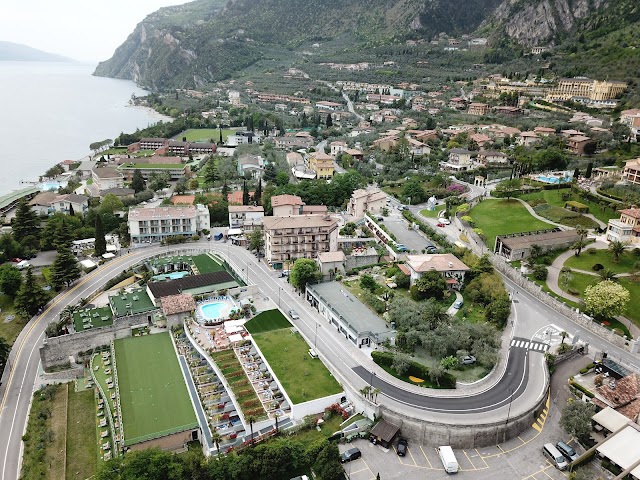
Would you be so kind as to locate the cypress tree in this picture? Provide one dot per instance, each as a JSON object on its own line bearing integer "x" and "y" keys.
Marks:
{"x": 137, "y": 181}
{"x": 587, "y": 174}
{"x": 245, "y": 194}
{"x": 101, "y": 242}
{"x": 257, "y": 196}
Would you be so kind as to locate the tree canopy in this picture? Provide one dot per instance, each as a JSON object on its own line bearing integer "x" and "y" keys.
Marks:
{"x": 606, "y": 299}
{"x": 304, "y": 270}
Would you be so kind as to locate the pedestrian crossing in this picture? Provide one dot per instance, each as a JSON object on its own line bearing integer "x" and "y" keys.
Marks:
{"x": 526, "y": 344}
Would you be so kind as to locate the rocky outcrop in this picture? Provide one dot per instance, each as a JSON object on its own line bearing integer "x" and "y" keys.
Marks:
{"x": 540, "y": 22}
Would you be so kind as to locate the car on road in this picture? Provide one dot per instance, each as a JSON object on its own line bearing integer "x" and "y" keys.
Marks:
{"x": 446, "y": 221}
{"x": 458, "y": 304}
{"x": 468, "y": 360}
{"x": 294, "y": 315}
{"x": 440, "y": 224}
{"x": 567, "y": 451}
{"x": 402, "y": 207}
{"x": 403, "y": 444}
{"x": 350, "y": 455}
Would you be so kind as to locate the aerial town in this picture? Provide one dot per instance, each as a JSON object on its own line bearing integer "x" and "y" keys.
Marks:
{"x": 314, "y": 276}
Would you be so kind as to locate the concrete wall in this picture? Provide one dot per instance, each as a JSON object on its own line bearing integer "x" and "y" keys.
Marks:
{"x": 56, "y": 350}
{"x": 301, "y": 410}
{"x": 354, "y": 261}
{"x": 434, "y": 434}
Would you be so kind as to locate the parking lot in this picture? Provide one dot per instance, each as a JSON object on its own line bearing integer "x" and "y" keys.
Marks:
{"x": 397, "y": 225}
{"x": 518, "y": 458}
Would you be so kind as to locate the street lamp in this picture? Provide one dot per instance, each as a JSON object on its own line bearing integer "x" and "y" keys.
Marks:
{"x": 315, "y": 338}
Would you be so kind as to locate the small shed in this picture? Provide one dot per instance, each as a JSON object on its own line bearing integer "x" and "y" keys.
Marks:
{"x": 384, "y": 432}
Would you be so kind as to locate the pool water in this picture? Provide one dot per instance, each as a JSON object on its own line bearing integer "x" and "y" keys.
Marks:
{"x": 170, "y": 276}
{"x": 213, "y": 311}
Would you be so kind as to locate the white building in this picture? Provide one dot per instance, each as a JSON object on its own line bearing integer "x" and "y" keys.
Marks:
{"x": 446, "y": 264}
{"x": 105, "y": 178}
{"x": 366, "y": 201}
{"x": 151, "y": 225}
{"x": 246, "y": 217}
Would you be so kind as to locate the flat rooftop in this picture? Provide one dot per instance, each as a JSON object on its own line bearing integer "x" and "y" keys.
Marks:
{"x": 525, "y": 240}
{"x": 353, "y": 312}
{"x": 132, "y": 303}
{"x": 88, "y": 318}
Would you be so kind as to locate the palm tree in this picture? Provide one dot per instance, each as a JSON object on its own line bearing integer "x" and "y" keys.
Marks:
{"x": 616, "y": 248}
{"x": 607, "y": 274}
{"x": 251, "y": 420}
{"x": 580, "y": 230}
{"x": 216, "y": 438}
{"x": 563, "y": 335}
{"x": 374, "y": 394}
{"x": 366, "y": 391}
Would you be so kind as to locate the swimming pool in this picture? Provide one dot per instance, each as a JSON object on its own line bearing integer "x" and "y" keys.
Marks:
{"x": 170, "y": 276}
{"x": 214, "y": 311}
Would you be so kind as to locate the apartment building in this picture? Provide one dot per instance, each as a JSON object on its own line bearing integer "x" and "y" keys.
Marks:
{"x": 581, "y": 87}
{"x": 151, "y": 225}
{"x": 366, "y": 201}
{"x": 246, "y": 217}
{"x": 105, "y": 178}
{"x": 302, "y": 236}
{"x": 627, "y": 228}
{"x": 631, "y": 171}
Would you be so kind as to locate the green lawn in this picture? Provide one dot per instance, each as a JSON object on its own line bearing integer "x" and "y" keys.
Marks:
{"x": 500, "y": 217}
{"x": 432, "y": 213}
{"x": 267, "y": 321}
{"x": 81, "y": 434}
{"x": 153, "y": 395}
{"x": 587, "y": 260}
{"x": 554, "y": 197}
{"x": 633, "y": 285}
{"x": 302, "y": 377}
{"x": 204, "y": 135}
{"x": 578, "y": 283}
{"x": 206, "y": 264}
{"x": 9, "y": 330}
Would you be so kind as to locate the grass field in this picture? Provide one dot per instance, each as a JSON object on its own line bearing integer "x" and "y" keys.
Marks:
{"x": 432, "y": 213}
{"x": 81, "y": 434}
{"x": 267, "y": 321}
{"x": 9, "y": 330}
{"x": 204, "y": 135}
{"x": 500, "y": 217}
{"x": 302, "y": 377}
{"x": 153, "y": 395}
{"x": 206, "y": 264}
{"x": 554, "y": 197}
{"x": 587, "y": 260}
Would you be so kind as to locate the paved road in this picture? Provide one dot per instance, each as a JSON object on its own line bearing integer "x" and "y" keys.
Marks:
{"x": 524, "y": 373}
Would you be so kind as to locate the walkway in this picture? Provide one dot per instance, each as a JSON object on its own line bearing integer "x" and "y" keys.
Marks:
{"x": 554, "y": 275}
{"x": 542, "y": 219}
{"x": 195, "y": 400}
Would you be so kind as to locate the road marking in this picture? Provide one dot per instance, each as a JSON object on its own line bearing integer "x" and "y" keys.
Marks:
{"x": 481, "y": 457}
{"x": 414, "y": 460}
{"x": 520, "y": 438}
{"x": 427, "y": 458}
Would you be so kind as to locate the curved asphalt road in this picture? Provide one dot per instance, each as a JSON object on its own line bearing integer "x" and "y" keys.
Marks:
{"x": 348, "y": 363}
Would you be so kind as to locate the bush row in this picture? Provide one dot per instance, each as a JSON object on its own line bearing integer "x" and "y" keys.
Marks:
{"x": 428, "y": 231}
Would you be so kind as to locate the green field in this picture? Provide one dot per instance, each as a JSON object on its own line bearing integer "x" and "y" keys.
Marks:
{"x": 302, "y": 377}
{"x": 587, "y": 260}
{"x": 501, "y": 217}
{"x": 267, "y": 321}
{"x": 204, "y": 135}
{"x": 206, "y": 264}
{"x": 554, "y": 197}
{"x": 153, "y": 395}
{"x": 433, "y": 213}
{"x": 81, "y": 434}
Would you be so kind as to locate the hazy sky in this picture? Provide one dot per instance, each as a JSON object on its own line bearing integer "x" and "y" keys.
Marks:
{"x": 87, "y": 30}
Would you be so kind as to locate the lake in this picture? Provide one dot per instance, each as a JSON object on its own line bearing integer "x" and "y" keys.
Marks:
{"x": 52, "y": 111}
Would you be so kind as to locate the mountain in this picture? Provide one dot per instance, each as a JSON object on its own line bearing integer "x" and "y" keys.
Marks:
{"x": 209, "y": 40}
{"x": 16, "y": 52}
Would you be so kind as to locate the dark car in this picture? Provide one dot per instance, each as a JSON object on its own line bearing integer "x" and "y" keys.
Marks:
{"x": 402, "y": 447}
{"x": 350, "y": 455}
{"x": 567, "y": 451}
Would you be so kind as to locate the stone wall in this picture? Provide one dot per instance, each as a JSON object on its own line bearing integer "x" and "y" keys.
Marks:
{"x": 354, "y": 261}
{"x": 57, "y": 350}
{"x": 471, "y": 435}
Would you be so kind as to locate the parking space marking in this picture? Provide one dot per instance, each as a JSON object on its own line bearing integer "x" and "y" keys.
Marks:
{"x": 427, "y": 458}
{"x": 481, "y": 458}
{"x": 542, "y": 470}
{"x": 414, "y": 460}
{"x": 523, "y": 442}
{"x": 471, "y": 462}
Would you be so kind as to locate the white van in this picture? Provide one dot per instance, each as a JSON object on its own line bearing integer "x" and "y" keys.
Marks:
{"x": 448, "y": 459}
{"x": 313, "y": 353}
{"x": 555, "y": 457}
{"x": 22, "y": 265}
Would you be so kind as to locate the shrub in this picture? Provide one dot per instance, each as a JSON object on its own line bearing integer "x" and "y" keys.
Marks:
{"x": 582, "y": 389}
{"x": 597, "y": 267}
{"x": 592, "y": 251}
{"x": 540, "y": 272}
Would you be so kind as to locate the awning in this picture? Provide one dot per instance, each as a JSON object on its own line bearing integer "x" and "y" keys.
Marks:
{"x": 108, "y": 255}
{"x": 610, "y": 419}
{"x": 234, "y": 231}
{"x": 236, "y": 337}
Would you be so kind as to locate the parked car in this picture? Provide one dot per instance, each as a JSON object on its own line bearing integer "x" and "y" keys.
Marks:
{"x": 468, "y": 360}
{"x": 440, "y": 224}
{"x": 313, "y": 353}
{"x": 350, "y": 455}
{"x": 401, "y": 248}
{"x": 554, "y": 456}
{"x": 446, "y": 221}
{"x": 403, "y": 444}
{"x": 458, "y": 304}
{"x": 294, "y": 315}
{"x": 567, "y": 451}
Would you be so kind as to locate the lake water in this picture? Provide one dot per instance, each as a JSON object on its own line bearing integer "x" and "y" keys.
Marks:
{"x": 51, "y": 112}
